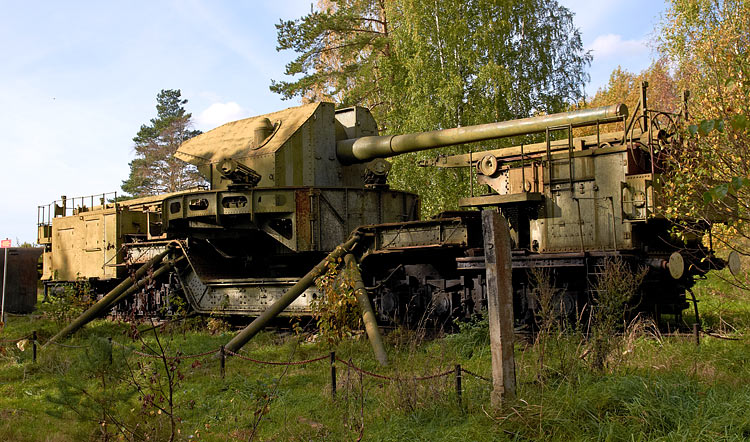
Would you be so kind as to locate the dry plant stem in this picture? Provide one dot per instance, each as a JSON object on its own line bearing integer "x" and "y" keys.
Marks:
{"x": 615, "y": 287}
{"x": 361, "y": 408}
{"x": 103, "y": 426}
{"x": 139, "y": 387}
{"x": 170, "y": 384}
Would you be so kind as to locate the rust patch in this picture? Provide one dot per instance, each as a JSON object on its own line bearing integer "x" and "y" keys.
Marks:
{"x": 304, "y": 230}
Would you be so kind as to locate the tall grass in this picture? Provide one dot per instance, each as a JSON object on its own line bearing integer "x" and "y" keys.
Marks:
{"x": 656, "y": 386}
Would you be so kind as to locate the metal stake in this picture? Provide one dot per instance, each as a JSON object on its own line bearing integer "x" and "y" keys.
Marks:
{"x": 5, "y": 274}
{"x": 333, "y": 374}
{"x": 222, "y": 362}
{"x": 458, "y": 384}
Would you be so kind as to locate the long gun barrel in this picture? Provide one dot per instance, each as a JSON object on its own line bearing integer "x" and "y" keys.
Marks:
{"x": 360, "y": 150}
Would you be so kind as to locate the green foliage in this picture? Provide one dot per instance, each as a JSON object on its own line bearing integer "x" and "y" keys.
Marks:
{"x": 155, "y": 170}
{"x": 706, "y": 43}
{"x": 722, "y": 190}
{"x": 705, "y": 128}
{"x": 344, "y": 49}
{"x": 66, "y": 302}
{"x": 723, "y": 305}
{"x": 336, "y": 311}
{"x": 473, "y": 335}
{"x": 739, "y": 122}
{"x": 423, "y": 65}
{"x": 97, "y": 391}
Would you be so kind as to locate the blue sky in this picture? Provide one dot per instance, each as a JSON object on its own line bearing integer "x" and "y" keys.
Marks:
{"x": 78, "y": 78}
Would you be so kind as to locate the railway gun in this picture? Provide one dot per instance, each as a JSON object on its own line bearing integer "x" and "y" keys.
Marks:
{"x": 287, "y": 188}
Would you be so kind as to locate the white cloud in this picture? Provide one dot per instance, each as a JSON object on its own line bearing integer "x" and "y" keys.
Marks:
{"x": 218, "y": 114}
{"x": 612, "y": 44}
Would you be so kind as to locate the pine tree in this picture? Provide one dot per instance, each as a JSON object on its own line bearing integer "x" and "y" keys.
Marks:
{"x": 344, "y": 48}
{"x": 155, "y": 170}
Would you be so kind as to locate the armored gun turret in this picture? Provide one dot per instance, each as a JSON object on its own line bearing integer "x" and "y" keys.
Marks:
{"x": 318, "y": 174}
{"x": 314, "y": 161}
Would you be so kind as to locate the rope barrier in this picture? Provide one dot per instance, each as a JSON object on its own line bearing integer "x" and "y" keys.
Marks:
{"x": 199, "y": 355}
{"x": 439, "y": 375}
{"x": 257, "y": 361}
{"x": 13, "y": 341}
{"x": 463, "y": 370}
{"x": 363, "y": 371}
{"x": 717, "y": 336}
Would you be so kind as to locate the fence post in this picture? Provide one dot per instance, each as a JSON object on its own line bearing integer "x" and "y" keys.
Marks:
{"x": 697, "y": 334}
{"x": 333, "y": 374}
{"x": 33, "y": 346}
{"x": 458, "y": 384}
{"x": 109, "y": 340}
{"x": 222, "y": 361}
{"x": 499, "y": 304}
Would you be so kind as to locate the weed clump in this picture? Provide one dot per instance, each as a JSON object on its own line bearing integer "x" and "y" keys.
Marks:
{"x": 66, "y": 302}
{"x": 615, "y": 290}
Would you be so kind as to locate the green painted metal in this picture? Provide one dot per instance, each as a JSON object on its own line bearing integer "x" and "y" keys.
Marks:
{"x": 164, "y": 268}
{"x": 106, "y": 302}
{"x": 368, "y": 314}
{"x": 359, "y": 150}
{"x": 306, "y": 281}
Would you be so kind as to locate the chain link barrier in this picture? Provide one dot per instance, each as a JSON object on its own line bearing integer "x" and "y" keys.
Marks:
{"x": 463, "y": 370}
{"x": 258, "y": 361}
{"x": 393, "y": 378}
{"x": 14, "y": 341}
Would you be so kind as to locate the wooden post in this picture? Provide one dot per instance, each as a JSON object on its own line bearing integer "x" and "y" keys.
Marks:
{"x": 499, "y": 304}
{"x": 109, "y": 340}
{"x": 333, "y": 374}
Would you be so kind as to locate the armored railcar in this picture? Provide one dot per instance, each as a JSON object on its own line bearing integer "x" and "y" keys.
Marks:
{"x": 286, "y": 188}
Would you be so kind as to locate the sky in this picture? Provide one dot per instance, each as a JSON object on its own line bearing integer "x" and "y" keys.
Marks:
{"x": 79, "y": 78}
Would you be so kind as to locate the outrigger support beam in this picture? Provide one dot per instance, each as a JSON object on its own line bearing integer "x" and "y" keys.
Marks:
{"x": 287, "y": 298}
{"x": 368, "y": 314}
{"x": 107, "y": 301}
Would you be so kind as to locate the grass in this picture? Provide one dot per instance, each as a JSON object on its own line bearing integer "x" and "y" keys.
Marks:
{"x": 654, "y": 387}
{"x": 724, "y": 306}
